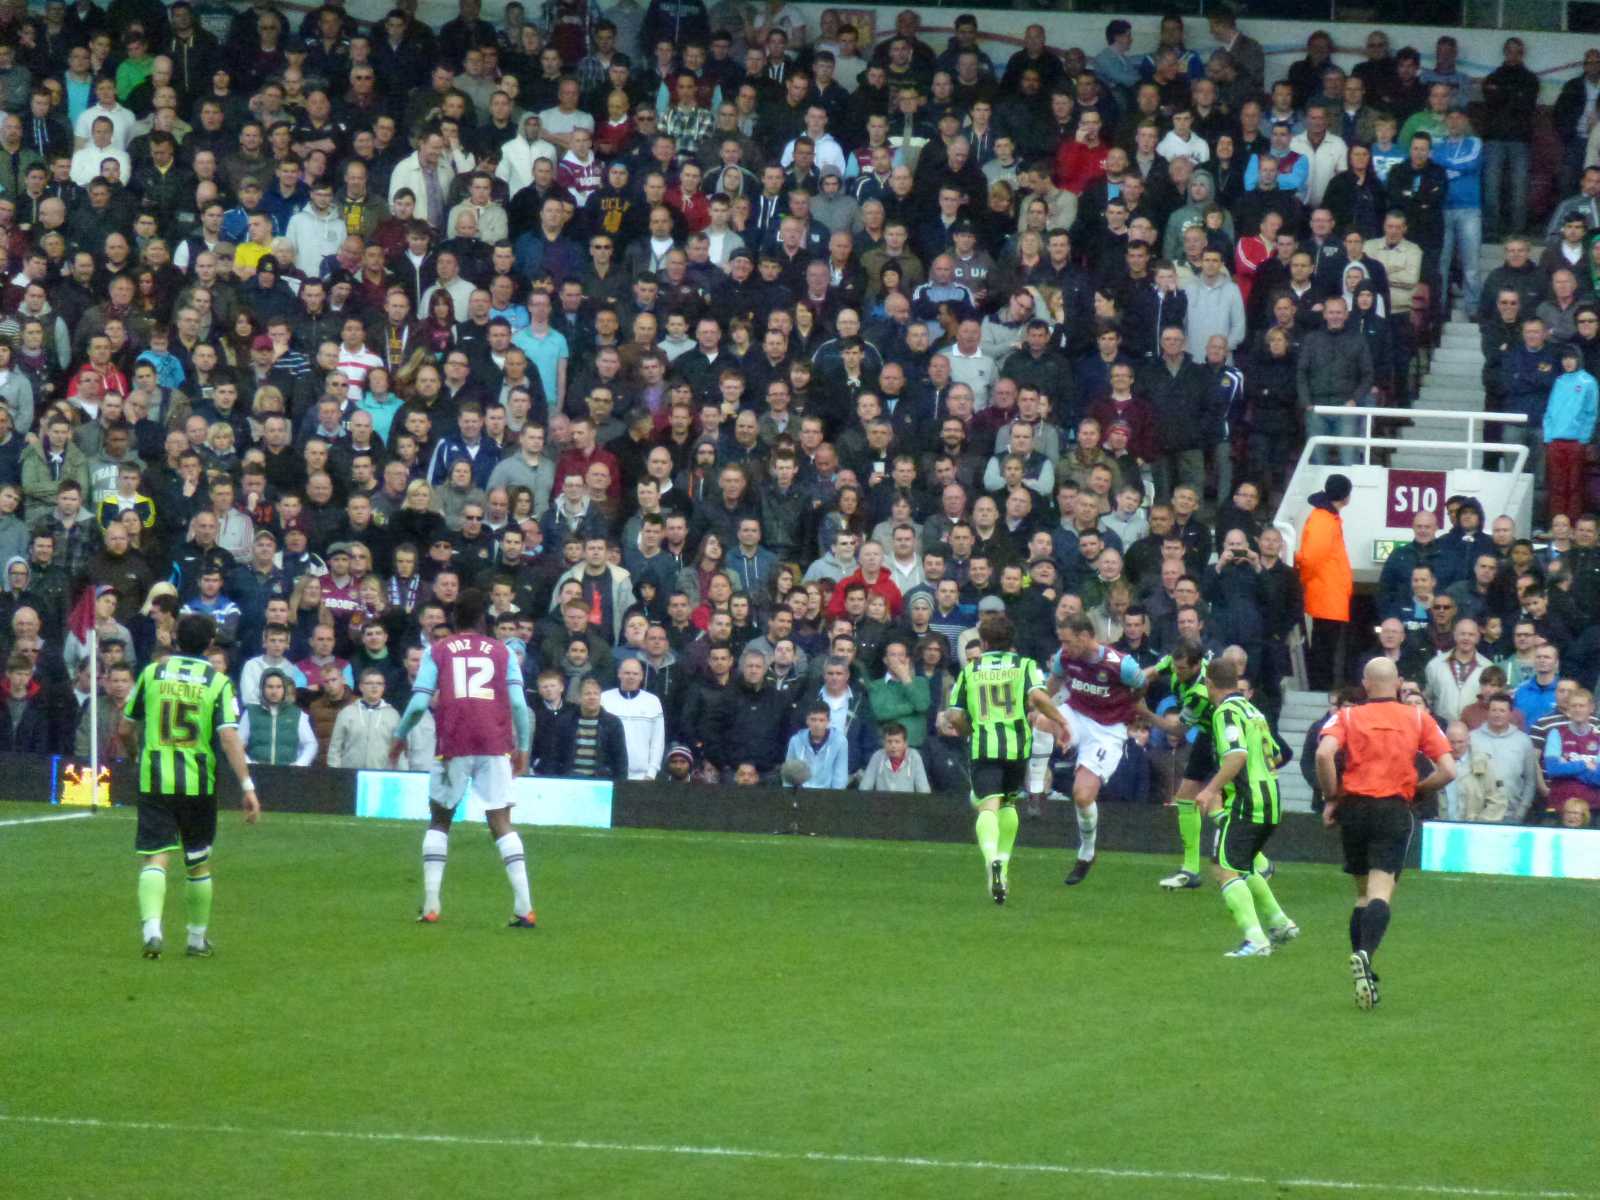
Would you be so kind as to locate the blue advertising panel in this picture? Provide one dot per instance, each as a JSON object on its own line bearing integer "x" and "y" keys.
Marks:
{"x": 403, "y": 796}
{"x": 1511, "y": 850}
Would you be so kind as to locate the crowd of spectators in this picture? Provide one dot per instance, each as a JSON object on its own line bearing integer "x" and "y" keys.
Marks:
{"x": 741, "y": 365}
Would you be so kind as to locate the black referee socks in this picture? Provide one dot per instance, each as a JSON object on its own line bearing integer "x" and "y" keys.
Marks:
{"x": 1355, "y": 929}
{"x": 1374, "y": 924}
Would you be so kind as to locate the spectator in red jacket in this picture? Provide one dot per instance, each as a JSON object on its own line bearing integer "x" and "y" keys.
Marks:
{"x": 871, "y": 575}
{"x": 1083, "y": 160}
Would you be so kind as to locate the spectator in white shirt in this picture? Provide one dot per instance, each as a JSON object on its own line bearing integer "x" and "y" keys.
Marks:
{"x": 644, "y": 724}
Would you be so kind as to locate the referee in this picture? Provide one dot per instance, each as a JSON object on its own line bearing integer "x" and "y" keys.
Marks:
{"x": 183, "y": 704}
{"x": 1372, "y": 803}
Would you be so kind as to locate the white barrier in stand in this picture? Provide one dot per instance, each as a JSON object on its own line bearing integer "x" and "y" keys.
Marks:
{"x": 1384, "y": 500}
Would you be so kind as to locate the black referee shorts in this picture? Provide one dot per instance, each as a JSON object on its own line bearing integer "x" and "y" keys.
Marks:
{"x": 1376, "y": 832}
{"x": 170, "y": 823}
{"x": 1202, "y": 764}
{"x": 993, "y": 777}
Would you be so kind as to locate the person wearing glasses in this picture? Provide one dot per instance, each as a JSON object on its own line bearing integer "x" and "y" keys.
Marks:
{"x": 1438, "y": 636}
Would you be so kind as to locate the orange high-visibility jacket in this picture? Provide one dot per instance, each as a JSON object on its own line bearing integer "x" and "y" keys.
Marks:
{"x": 1324, "y": 564}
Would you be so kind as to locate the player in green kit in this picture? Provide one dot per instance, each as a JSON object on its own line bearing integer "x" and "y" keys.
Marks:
{"x": 1243, "y": 794}
{"x": 183, "y": 703}
{"x": 993, "y": 700}
{"x": 1184, "y": 673}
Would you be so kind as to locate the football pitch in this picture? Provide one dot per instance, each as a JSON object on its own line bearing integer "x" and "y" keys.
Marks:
{"x": 720, "y": 1015}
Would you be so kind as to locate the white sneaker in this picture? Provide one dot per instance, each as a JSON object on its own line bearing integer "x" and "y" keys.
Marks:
{"x": 1182, "y": 880}
{"x": 1249, "y": 949}
{"x": 1282, "y": 935}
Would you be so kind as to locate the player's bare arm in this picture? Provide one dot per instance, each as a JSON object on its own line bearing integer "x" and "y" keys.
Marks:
{"x": 233, "y": 751}
{"x": 418, "y": 705}
{"x": 956, "y": 723}
{"x": 522, "y": 729}
{"x": 1211, "y": 795}
{"x": 1170, "y": 724}
{"x": 1328, "y": 776}
{"x": 1444, "y": 771}
{"x": 1039, "y": 702}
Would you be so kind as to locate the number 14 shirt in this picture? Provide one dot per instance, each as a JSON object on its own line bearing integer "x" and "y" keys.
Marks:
{"x": 993, "y": 691}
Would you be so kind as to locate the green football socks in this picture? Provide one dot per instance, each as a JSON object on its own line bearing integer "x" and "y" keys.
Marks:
{"x": 1007, "y": 816}
{"x": 1189, "y": 833}
{"x": 988, "y": 826}
{"x": 1236, "y": 894}
{"x": 1266, "y": 904}
{"x": 197, "y": 899}
{"x": 152, "y": 898}
{"x": 1260, "y": 864}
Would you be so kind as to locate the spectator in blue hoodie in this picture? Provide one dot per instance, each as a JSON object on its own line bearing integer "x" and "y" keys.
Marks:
{"x": 1461, "y": 156}
{"x": 821, "y": 748}
{"x": 1569, "y": 418}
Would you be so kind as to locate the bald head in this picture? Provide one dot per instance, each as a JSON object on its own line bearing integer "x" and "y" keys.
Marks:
{"x": 1381, "y": 679}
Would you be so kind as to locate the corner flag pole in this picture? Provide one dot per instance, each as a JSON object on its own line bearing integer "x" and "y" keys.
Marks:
{"x": 94, "y": 719}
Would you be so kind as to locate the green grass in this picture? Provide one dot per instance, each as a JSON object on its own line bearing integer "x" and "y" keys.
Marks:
{"x": 832, "y": 1005}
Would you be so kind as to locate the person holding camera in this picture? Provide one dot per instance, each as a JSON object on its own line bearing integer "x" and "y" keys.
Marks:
{"x": 1233, "y": 589}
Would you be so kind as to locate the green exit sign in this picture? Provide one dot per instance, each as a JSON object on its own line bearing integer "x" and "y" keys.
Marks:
{"x": 1383, "y": 547}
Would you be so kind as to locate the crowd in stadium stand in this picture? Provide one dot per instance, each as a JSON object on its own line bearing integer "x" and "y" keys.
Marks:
{"x": 742, "y": 364}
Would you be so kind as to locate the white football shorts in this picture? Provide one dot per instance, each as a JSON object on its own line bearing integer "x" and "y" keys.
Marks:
{"x": 1099, "y": 746}
{"x": 489, "y": 775}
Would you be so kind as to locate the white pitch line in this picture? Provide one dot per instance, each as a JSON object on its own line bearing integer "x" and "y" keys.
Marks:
{"x": 798, "y": 1156}
{"x": 71, "y": 816}
{"x": 711, "y": 838}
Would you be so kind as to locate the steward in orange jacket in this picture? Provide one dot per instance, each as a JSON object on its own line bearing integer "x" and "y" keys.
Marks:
{"x": 1321, "y": 558}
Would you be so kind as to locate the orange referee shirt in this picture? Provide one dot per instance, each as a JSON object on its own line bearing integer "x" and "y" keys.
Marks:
{"x": 1380, "y": 740}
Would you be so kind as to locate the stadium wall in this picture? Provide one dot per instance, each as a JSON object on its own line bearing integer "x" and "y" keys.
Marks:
{"x": 941, "y": 817}
{"x": 1552, "y": 55}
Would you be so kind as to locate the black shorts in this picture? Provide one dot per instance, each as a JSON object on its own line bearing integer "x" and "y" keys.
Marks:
{"x": 991, "y": 777}
{"x": 166, "y": 823}
{"x": 1376, "y": 833}
{"x": 1202, "y": 764}
{"x": 1236, "y": 843}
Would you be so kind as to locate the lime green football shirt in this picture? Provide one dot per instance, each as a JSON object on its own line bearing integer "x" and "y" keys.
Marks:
{"x": 1238, "y": 727}
{"x": 993, "y": 692}
{"x": 181, "y": 703}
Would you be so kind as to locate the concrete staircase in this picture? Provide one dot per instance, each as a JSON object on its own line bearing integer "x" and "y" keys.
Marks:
{"x": 1301, "y": 710}
{"x": 1454, "y": 383}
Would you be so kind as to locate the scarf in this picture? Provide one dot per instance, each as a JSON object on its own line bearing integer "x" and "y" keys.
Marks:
{"x": 402, "y": 593}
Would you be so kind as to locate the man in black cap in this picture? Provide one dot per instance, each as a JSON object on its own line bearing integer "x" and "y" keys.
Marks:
{"x": 266, "y": 295}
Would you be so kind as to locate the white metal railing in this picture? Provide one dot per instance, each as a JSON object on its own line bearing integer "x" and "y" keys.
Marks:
{"x": 1474, "y": 421}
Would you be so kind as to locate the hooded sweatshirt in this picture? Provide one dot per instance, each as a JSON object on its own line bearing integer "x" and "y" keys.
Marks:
{"x": 1202, "y": 193}
{"x": 838, "y": 211}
